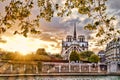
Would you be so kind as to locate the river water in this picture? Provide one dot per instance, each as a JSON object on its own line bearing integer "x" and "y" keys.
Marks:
{"x": 62, "y": 78}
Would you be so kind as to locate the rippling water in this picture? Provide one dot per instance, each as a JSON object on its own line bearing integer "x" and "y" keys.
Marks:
{"x": 62, "y": 78}
{"x": 81, "y": 78}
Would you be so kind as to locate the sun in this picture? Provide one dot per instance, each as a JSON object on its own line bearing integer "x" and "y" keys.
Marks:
{"x": 23, "y": 45}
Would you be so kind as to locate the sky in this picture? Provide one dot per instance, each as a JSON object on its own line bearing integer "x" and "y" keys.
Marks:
{"x": 54, "y": 32}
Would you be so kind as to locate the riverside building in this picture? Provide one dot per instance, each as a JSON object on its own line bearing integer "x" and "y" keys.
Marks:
{"x": 101, "y": 55}
{"x": 112, "y": 54}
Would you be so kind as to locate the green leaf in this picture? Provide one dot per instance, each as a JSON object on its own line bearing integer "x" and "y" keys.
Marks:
{"x": 111, "y": 29}
{"x": 97, "y": 23}
{"x": 57, "y": 6}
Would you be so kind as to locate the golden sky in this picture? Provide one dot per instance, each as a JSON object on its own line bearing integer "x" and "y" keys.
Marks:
{"x": 25, "y": 45}
{"x": 53, "y": 32}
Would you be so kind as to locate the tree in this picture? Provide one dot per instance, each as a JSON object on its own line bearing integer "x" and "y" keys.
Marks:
{"x": 42, "y": 57}
{"x": 84, "y": 56}
{"x": 8, "y": 56}
{"x": 94, "y": 58}
{"x": 74, "y": 56}
{"x": 58, "y": 56}
{"x": 41, "y": 51}
{"x": 20, "y": 11}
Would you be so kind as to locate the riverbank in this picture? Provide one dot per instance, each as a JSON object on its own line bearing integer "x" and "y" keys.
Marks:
{"x": 62, "y": 74}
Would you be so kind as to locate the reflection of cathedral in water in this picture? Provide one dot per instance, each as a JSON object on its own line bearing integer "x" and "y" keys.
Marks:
{"x": 73, "y": 43}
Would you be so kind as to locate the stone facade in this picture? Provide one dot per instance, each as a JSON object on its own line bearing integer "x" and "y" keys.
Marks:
{"x": 101, "y": 55}
{"x": 112, "y": 54}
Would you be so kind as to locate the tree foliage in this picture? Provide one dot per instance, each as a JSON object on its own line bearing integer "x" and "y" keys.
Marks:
{"x": 74, "y": 56}
{"x": 84, "y": 56}
{"x": 39, "y": 55}
{"x": 94, "y": 58}
{"x": 41, "y": 52}
{"x": 20, "y": 11}
{"x": 42, "y": 57}
{"x": 57, "y": 56}
{"x": 89, "y": 56}
{"x": 8, "y": 56}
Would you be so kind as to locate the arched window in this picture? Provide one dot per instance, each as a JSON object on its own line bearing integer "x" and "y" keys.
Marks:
{"x": 66, "y": 45}
{"x": 83, "y": 45}
{"x": 74, "y": 48}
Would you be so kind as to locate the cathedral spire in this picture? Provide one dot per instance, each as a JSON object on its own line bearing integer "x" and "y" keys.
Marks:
{"x": 74, "y": 36}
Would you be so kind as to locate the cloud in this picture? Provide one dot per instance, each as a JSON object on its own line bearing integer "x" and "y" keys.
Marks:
{"x": 53, "y": 26}
{"x": 48, "y": 37}
{"x": 113, "y": 7}
{"x": 114, "y": 4}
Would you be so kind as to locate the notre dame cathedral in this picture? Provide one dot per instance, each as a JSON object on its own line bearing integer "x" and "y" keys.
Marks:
{"x": 73, "y": 43}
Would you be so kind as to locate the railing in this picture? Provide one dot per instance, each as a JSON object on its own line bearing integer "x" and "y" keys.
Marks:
{"x": 51, "y": 67}
{"x": 18, "y": 68}
{"x": 76, "y": 67}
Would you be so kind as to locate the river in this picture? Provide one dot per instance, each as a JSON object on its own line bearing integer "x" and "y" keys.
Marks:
{"x": 62, "y": 78}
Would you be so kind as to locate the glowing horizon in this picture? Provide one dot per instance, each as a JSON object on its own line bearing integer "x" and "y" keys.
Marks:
{"x": 24, "y": 45}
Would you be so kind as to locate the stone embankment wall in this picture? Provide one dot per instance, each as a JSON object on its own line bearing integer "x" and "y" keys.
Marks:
{"x": 73, "y": 68}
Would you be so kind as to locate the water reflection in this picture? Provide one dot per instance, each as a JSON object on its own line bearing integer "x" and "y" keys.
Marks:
{"x": 81, "y": 78}
{"x": 62, "y": 78}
